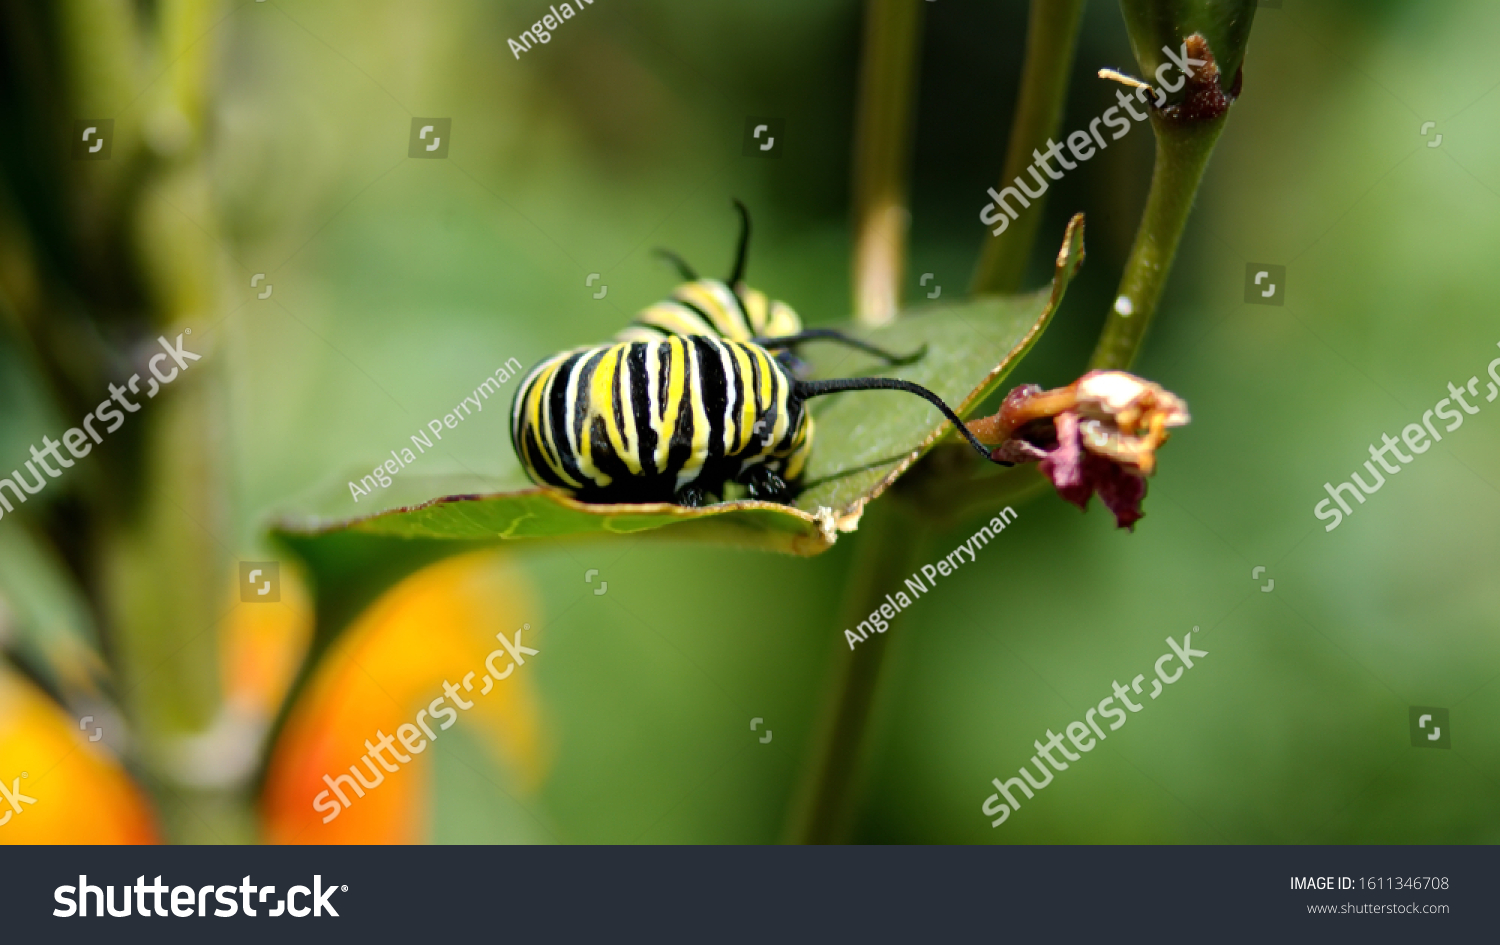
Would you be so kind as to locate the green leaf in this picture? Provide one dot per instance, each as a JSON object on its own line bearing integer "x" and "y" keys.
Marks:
{"x": 863, "y": 442}
{"x": 44, "y": 618}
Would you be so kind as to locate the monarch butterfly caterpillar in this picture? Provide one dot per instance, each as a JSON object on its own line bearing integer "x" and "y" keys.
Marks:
{"x": 688, "y": 398}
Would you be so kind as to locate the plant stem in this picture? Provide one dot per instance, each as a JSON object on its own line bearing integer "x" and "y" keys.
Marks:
{"x": 882, "y": 155}
{"x": 1183, "y": 147}
{"x": 165, "y": 590}
{"x": 1051, "y": 42}
{"x": 890, "y": 541}
{"x": 162, "y": 564}
{"x": 882, "y": 146}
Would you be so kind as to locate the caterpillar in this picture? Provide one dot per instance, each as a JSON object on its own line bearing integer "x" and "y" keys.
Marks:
{"x": 698, "y": 391}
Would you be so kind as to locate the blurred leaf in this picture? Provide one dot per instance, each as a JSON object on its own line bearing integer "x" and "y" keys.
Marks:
{"x": 51, "y": 627}
{"x": 465, "y": 805}
{"x": 864, "y": 442}
{"x": 29, "y": 412}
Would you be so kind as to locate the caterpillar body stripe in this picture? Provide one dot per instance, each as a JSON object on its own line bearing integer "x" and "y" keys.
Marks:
{"x": 711, "y": 307}
{"x": 642, "y": 421}
{"x": 688, "y": 398}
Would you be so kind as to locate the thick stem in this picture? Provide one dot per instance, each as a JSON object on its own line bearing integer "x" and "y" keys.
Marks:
{"x": 166, "y": 593}
{"x": 1051, "y": 41}
{"x": 891, "y": 541}
{"x": 882, "y": 154}
{"x": 163, "y": 564}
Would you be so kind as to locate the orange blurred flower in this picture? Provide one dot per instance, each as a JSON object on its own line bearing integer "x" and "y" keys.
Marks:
{"x": 435, "y": 628}
{"x": 261, "y": 646}
{"x": 58, "y": 787}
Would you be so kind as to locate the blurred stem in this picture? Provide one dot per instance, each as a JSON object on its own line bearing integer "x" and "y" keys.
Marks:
{"x": 166, "y": 596}
{"x": 882, "y": 155}
{"x": 1051, "y": 43}
{"x": 162, "y": 566}
{"x": 890, "y": 542}
{"x": 889, "y": 536}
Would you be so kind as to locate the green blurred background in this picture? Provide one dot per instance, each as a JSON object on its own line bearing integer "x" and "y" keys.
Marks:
{"x": 399, "y": 284}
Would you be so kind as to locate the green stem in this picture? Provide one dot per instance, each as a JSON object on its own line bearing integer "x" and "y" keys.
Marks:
{"x": 1051, "y": 42}
{"x": 165, "y": 590}
{"x": 1182, "y": 153}
{"x": 159, "y": 553}
{"x": 882, "y": 155}
{"x": 1213, "y": 33}
{"x": 890, "y": 541}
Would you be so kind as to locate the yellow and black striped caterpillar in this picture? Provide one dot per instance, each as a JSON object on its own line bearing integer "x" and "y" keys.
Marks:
{"x": 688, "y": 398}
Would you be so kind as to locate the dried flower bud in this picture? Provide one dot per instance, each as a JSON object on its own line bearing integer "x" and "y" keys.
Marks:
{"x": 1126, "y": 418}
{"x": 1097, "y": 435}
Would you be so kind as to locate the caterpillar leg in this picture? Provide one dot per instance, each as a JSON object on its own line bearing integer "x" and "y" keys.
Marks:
{"x": 692, "y": 497}
{"x": 763, "y": 484}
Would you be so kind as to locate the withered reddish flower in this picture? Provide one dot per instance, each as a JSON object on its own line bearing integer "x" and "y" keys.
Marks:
{"x": 1097, "y": 435}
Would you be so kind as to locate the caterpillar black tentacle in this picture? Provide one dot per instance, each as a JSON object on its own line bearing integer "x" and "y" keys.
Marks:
{"x": 678, "y": 263}
{"x": 833, "y": 334}
{"x": 806, "y": 389}
{"x": 742, "y": 255}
